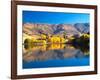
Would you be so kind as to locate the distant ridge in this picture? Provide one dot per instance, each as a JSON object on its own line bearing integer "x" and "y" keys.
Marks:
{"x": 68, "y": 29}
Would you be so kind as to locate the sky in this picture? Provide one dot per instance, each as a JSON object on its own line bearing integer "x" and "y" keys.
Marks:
{"x": 54, "y": 17}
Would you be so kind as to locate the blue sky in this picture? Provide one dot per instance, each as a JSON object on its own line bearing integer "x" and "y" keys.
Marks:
{"x": 55, "y": 17}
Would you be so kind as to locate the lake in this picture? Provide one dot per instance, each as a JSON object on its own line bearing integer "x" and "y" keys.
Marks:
{"x": 55, "y": 55}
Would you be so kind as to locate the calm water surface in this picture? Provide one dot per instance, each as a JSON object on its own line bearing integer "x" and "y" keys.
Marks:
{"x": 54, "y": 55}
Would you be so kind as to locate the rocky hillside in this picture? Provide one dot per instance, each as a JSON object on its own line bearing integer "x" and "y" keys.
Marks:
{"x": 82, "y": 28}
{"x": 68, "y": 29}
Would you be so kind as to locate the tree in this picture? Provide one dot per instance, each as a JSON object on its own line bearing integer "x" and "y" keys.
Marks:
{"x": 64, "y": 34}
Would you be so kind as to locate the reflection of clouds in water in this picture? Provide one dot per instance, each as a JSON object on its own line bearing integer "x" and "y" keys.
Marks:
{"x": 50, "y": 52}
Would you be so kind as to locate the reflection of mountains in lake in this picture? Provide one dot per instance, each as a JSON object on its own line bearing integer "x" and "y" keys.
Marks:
{"x": 52, "y": 52}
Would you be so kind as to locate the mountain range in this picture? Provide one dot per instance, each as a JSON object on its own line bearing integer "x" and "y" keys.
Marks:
{"x": 57, "y": 29}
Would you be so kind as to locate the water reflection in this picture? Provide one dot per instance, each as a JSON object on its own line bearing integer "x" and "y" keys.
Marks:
{"x": 53, "y": 52}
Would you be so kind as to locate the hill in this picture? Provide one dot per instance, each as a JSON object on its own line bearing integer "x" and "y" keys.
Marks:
{"x": 56, "y": 29}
